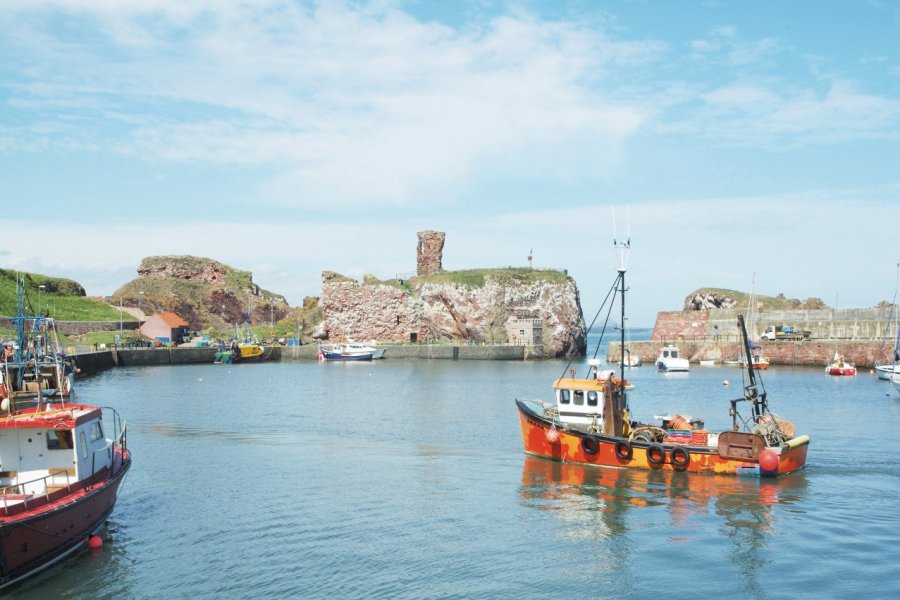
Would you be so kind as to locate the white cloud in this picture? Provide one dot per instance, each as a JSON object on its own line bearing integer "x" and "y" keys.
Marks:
{"x": 356, "y": 103}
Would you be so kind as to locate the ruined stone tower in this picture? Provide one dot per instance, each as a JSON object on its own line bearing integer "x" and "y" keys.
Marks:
{"x": 429, "y": 253}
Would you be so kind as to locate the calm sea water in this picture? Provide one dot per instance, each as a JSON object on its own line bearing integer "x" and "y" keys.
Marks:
{"x": 407, "y": 479}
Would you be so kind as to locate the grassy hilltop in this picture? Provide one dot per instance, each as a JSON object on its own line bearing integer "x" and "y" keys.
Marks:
{"x": 469, "y": 278}
{"x": 62, "y": 299}
{"x": 760, "y": 302}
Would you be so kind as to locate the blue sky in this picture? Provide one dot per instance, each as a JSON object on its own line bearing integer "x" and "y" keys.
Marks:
{"x": 733, "y": 139}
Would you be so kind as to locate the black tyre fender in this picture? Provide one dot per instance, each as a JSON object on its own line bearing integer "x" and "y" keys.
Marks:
{"x": 680, "y": 458}
{"x": 656, "y": 454}
{"x": 590, "y": 445}
{"x": 624, "y": 451}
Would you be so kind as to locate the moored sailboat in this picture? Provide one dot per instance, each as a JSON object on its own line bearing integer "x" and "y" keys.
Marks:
{"x": 885, "y": 369}
{"x": 839, "y": 367}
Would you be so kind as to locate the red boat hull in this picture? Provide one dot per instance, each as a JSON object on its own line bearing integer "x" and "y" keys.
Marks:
{"x": 842, "y": 371}
{"x": 574, "y": 446}
{"x": 51, "y": 527}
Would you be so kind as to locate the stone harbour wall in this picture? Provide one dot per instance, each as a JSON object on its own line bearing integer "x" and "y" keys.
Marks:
{"x": 851, "y": 324}
{"x": 863, "y": 354}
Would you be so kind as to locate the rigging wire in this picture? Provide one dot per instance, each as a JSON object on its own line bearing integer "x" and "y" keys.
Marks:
{"x": 611, "y": 292}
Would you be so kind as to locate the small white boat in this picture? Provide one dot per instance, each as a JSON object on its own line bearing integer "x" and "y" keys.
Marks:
{"x": 631, "y": 359}
{"x": 886, "y": 370}
{"x": 376, "y": 352}
{"x": 839, "y": 367}
{"x": 670, "y": 360}
{"x": 349, "y": 351}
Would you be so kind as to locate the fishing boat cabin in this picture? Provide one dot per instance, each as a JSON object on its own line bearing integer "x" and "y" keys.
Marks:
{"x": 595, "y": 404}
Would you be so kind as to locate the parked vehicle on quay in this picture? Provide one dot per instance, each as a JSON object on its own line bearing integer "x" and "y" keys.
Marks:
{"x": 784, "y": 332}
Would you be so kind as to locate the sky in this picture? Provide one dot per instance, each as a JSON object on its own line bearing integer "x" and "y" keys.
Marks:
{"x": 743, "y": 145}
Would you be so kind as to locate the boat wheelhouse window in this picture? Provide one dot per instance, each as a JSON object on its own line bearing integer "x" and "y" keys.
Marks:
{"x": 564, "y": 396}
{"x": 579, "y": 398}
{"x": 96, "y": 431}
{"x": 83, "y": 441}
{"x": 59, "y": 439}
{"x": 592, "y": 398}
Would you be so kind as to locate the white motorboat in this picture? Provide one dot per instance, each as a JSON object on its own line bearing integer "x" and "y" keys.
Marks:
{"x": 886, "y": 370}
{"x": 670, "y": 360}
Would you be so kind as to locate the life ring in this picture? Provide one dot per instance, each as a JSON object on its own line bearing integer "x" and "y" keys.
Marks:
{"x": 624, "y": 451}
{"x": 590, "y": 445}
{"x": 680, "y": 458}
{"x": 656, "y": 454}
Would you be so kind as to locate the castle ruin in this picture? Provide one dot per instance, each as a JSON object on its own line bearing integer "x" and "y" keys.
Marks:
{"x": 429, "y": 253}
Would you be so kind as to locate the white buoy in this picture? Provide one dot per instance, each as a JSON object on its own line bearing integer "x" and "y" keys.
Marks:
{"x": 725, "y": 382}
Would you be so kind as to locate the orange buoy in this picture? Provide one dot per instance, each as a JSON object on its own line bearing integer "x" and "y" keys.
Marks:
{"x": 95, "y": 542}
{"x": 768, "y": 460}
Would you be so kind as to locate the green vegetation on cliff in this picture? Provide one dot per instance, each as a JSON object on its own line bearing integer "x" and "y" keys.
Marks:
{"x": 473, "y": 278}
{"x": 62, "y": 299}
{"x": 204, "y": 292}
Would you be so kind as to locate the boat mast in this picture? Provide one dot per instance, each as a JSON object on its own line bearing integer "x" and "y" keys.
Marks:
{"x": 751, "y": 392}
{"x": 622, "y": 248}
{"x": 895, "y": 358}
{"x": 622, "y": 331}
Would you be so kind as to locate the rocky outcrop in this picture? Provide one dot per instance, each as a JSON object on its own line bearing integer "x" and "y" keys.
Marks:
{"x": 449, "y": 311}
{"x": 713, "y": 298}
{"x": 202, "y": 291}
{"x": 200, "y": 270}
{"x": 708, "y": 301}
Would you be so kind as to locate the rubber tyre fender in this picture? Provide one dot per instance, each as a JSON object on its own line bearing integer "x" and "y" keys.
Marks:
{"x": 624, "y": 451}
{"x": 590, "y": 445}
{"x": 680, "y": 458}
{"x": 656, "y": 454}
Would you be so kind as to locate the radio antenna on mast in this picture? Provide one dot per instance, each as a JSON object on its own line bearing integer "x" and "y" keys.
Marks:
{"x": 622, "y": 248}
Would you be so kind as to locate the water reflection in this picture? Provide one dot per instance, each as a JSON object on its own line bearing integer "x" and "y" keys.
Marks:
{"x": 743, "y": 507}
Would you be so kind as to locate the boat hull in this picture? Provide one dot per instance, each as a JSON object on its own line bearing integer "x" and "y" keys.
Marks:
{"x": 248, "y": 353}
{"x": 885, "y": 371}
{"x": 672, "y": 367}
{"x": 842, "y": 371}
{"x": 339, "y": 356}
{"x": 574, "y": 446}
{"x": 48, "y": 531}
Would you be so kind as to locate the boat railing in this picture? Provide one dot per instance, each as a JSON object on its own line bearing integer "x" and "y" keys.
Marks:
{"x": 16, "y": 493}
{"x": 115, "y": 447}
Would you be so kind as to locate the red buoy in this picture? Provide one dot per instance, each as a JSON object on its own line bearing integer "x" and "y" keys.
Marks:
{"x": 768, "y": 460}
{"x": 95, "y": 541}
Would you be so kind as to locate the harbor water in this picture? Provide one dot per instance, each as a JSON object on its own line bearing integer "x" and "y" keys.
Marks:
{"x": 407, "y": 479}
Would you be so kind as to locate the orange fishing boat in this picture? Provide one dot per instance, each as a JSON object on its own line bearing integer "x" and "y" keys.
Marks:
{"x": 590, "y": 423}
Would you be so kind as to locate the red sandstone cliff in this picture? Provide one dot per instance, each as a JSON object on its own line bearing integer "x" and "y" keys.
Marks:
{"x": 392, "y": 311}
